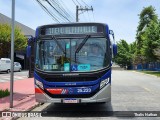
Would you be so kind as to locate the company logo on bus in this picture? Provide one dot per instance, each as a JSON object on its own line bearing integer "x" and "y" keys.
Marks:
{"x": 64, "y": 91}
{"x": 57, "y": 91}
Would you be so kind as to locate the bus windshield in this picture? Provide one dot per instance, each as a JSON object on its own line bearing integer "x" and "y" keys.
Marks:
{"x": 51, "y": 56}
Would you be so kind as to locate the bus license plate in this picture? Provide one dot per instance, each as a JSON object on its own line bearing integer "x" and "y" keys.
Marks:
{"x": 70, "y": 101}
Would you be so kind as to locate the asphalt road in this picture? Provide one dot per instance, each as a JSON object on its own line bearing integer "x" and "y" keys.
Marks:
{"x": 131, "y": 91}
{"x": 5, "y": 77}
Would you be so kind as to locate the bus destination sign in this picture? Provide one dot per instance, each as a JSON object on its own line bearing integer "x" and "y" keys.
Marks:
{"x": 71, "y": 30}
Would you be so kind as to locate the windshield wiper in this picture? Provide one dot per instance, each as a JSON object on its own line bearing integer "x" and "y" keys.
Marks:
{"x": 81, "y": 45}
{"x": 59, "y": 45}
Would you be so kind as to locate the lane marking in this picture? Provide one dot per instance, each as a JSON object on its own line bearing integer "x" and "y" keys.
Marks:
{"x": 146, "y": 74}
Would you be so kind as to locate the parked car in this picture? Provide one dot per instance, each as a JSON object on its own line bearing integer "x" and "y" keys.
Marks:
{"x": 5, "y": 65}
{"x": 17, "y": 66}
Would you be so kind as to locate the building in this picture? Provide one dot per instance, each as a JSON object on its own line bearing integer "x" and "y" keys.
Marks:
{"x": 20, "y": 56}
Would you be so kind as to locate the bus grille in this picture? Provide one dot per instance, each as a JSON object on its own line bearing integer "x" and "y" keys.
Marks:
{"x": 71, "y": 79}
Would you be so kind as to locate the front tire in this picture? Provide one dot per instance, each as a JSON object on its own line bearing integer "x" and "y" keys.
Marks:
{"x": 8, "y": 71}
{"x": 20, "y": 70}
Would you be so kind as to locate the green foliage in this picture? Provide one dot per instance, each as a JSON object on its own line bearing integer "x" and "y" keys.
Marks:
{"x": 146, "y": 48}
{"x": 155, "y": 73}
{"x": 4, "y": 93}
{"x": 133, "y": 48}
{"x": 151, "y": 41}
{"x": 156, "y": 52}
{"x": 146, "y": 16}
{"x": 5, "y": 39}
{"x": 147, "y": 36}
{"x": 125, "y": 53}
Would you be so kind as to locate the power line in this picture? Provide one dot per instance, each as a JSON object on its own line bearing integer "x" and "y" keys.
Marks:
{"x": 54, "y": 16}
{"x": 93, "y": 16}
{"x": 88, "y": 16}
{"x": 85, "y": 3}
{"x": 57, "y": 11}
{"x": 79, "y": 3}
{"x": 47, "y": 11}
{"x": 74, "y": 2}
{"x": 84, "y": 17}
{"x": 61, "y": 9}
{"x": 66, "y": 9}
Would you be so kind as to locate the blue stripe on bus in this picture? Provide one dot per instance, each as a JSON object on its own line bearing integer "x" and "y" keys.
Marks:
{"x": 75, "y": 90}
{"x": 72, "y": 83}
{"x": 86, "y": 83}
{"x": 105, "y": 76}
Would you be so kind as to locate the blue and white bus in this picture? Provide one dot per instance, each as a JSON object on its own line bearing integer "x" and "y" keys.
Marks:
{"x": 73, "y": 63}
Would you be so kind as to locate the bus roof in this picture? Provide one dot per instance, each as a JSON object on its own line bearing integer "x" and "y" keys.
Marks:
{"x": 73, "y": 24}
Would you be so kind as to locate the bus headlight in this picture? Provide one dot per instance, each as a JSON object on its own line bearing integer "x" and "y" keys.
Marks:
{"x": 103, "y": 83}
{"x": 39, "y": 84}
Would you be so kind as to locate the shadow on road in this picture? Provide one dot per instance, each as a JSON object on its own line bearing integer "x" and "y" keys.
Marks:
{"x": 78, "y": 110}
{"x": 4, "y": 73}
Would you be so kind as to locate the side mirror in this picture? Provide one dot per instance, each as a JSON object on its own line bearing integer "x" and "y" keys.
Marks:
{"x": 115, "y": 50}
{"x": 111, "y": 33}
{"x": 28, "y": 51}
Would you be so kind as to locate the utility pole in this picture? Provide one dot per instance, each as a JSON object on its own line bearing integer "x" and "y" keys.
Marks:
{"x": 12, "y": 55}
{"x": 81, "y": 9}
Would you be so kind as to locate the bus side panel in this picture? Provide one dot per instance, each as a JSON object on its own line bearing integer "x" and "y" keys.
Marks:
{"x": 105, "y": 95}
{"x": 39, "y": 95}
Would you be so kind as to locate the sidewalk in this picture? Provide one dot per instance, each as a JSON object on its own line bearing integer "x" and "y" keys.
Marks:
{"x": 23, "y": 96}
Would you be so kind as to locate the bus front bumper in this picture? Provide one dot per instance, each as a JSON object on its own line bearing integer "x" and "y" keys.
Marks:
{"x": 104, "y": 95}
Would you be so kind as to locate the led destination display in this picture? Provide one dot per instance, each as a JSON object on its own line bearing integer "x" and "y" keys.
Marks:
{"x": 71, "y": 30}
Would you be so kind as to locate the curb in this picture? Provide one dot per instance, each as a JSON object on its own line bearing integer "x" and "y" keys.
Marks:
{"x": 146, "y": 74}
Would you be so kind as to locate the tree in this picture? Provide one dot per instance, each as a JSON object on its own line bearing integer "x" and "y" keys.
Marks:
{"x": 124, "y": 56}
{"x": 133, "y": 47}
{"x": 5, "y": 40}
{"x": 157, "y": 53}
{"x": 151, "y": 41}
{"x": 146, "y": 16}
{"x": 156, "y": 50}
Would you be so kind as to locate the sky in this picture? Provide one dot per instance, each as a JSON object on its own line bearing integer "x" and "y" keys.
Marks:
{"x": 121, "y": 15}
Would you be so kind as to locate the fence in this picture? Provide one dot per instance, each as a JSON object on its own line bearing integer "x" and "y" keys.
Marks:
{"x": 152, "y": 66}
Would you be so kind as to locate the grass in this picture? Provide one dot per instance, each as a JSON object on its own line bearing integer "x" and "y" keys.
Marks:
{"x": 4, "y": 93}
{"x": 155, "y": 73}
